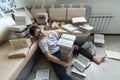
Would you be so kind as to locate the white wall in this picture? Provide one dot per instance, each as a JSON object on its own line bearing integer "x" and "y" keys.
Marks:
{"x": 100, "y": 7}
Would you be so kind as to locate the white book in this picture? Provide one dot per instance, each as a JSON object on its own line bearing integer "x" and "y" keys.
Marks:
{"x": 76, "y": 71}
{"x": 42, "y": 74}
{"x": 79, "y": 20}
{"x": 81, "y": 63}
{"x": 86, "y": 27}
{"x": 99, "y": 38}
{"x": 18, "y": 28}
{"x": 18, "y": 53}
{"x": 66, "y": 41}
{"x": 68, "y": 36}
{"x": 113, "y": 54}
{"x": 69, "y": 27}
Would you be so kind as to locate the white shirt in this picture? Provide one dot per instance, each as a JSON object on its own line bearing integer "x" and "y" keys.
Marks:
{"x": 49, "y": 43}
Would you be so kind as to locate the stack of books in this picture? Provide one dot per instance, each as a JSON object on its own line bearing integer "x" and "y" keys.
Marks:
{"x": 66, "y": 46}
{"x": 20, "y": 47}
{"x": 90, "y": 47}
{"x": 21, "y": 31}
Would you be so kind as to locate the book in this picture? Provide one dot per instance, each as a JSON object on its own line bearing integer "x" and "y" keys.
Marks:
{"x": 18, "y": 53}
{"x": 86, "y": 27}
{"x": 81, "y": 62}
{"x": 69, "y": 27}
{"x": 113, "y": 54}
{"x": 18, "y": 28}
{"x": 68, "y": 37}
{"x": 76, "y": 71}
{"x": 66, "y": 41}
{"x": 99, "y": 38}
{"x": 79, "y": 20}
{"x": 42, "y": 74}
{"x": 20, "y": 43}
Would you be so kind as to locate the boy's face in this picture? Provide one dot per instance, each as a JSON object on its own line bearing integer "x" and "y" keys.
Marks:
{"x": 37, "y": 33}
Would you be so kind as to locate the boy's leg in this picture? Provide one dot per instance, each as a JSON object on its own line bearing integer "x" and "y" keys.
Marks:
{"x": 85, "y": 53}
{"x": 60, "y": 70}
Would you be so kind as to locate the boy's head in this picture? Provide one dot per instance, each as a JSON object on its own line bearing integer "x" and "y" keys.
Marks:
{"x": 35, "y": 31}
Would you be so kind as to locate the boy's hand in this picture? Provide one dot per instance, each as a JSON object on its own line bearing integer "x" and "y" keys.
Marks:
{"x": 76, "y": 47}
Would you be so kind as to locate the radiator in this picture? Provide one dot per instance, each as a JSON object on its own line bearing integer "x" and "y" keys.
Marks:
{"x": 100, "y": 22}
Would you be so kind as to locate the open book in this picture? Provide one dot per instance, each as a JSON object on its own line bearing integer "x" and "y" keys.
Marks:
{"x": 76, "y": 71}
{"x": 99, "y": 38}
{"x": 113, "y": 54}
{"x": 81, "y": 63}
{"x": 86, "y": 27}
{"x": 18, "y": 53}
{"x": 20, "y": 43}
{"x": 69, "y": 27}
{"x": 79, "y": 20}
{"x": 66, "y": 40}
{"x": 42, "y": 74}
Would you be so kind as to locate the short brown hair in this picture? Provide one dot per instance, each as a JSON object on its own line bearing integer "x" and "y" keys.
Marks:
{"x": 32, "y": 29}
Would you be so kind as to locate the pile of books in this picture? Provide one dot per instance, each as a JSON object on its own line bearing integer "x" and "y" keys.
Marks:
{"x": 20, "y": 47}
{"x": 66, "y": 46}
{"x": 90, "y": 47}
{"x": 21, "y": 31}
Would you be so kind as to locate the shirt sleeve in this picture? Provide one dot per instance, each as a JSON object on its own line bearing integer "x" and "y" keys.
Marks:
{"x": 43, "y": 46}
{"x": 57, "y": 35}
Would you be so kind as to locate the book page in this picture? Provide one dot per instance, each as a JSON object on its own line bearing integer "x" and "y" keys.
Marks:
{"x": 80, "y": 66}
{"x": 113, "y": 54}
{"x": 68, "y": 36}
{"x": 69, "y": 27}
{"x": 18, "y": 53}
{"x": 20, "y": 43}
{"x": 78, "y": 19}
{"x": 42, "y": 74}
{"x": 65, "y": 43}
{"x": 75, "y": 70}
{"x": 83, "y": 60}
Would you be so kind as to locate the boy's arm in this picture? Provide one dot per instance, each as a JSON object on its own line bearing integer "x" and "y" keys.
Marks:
{"x": 55, "y": 59}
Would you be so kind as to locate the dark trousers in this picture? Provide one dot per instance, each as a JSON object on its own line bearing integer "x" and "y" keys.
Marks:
{"x": 60, "y": 70}
{"x": 84, "y": 53}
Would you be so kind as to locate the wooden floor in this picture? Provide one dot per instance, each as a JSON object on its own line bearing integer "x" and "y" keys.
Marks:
{"x": 108, "y": 70}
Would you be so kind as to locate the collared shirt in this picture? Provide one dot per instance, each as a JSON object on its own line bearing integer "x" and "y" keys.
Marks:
{"x": 49, "y": 43}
